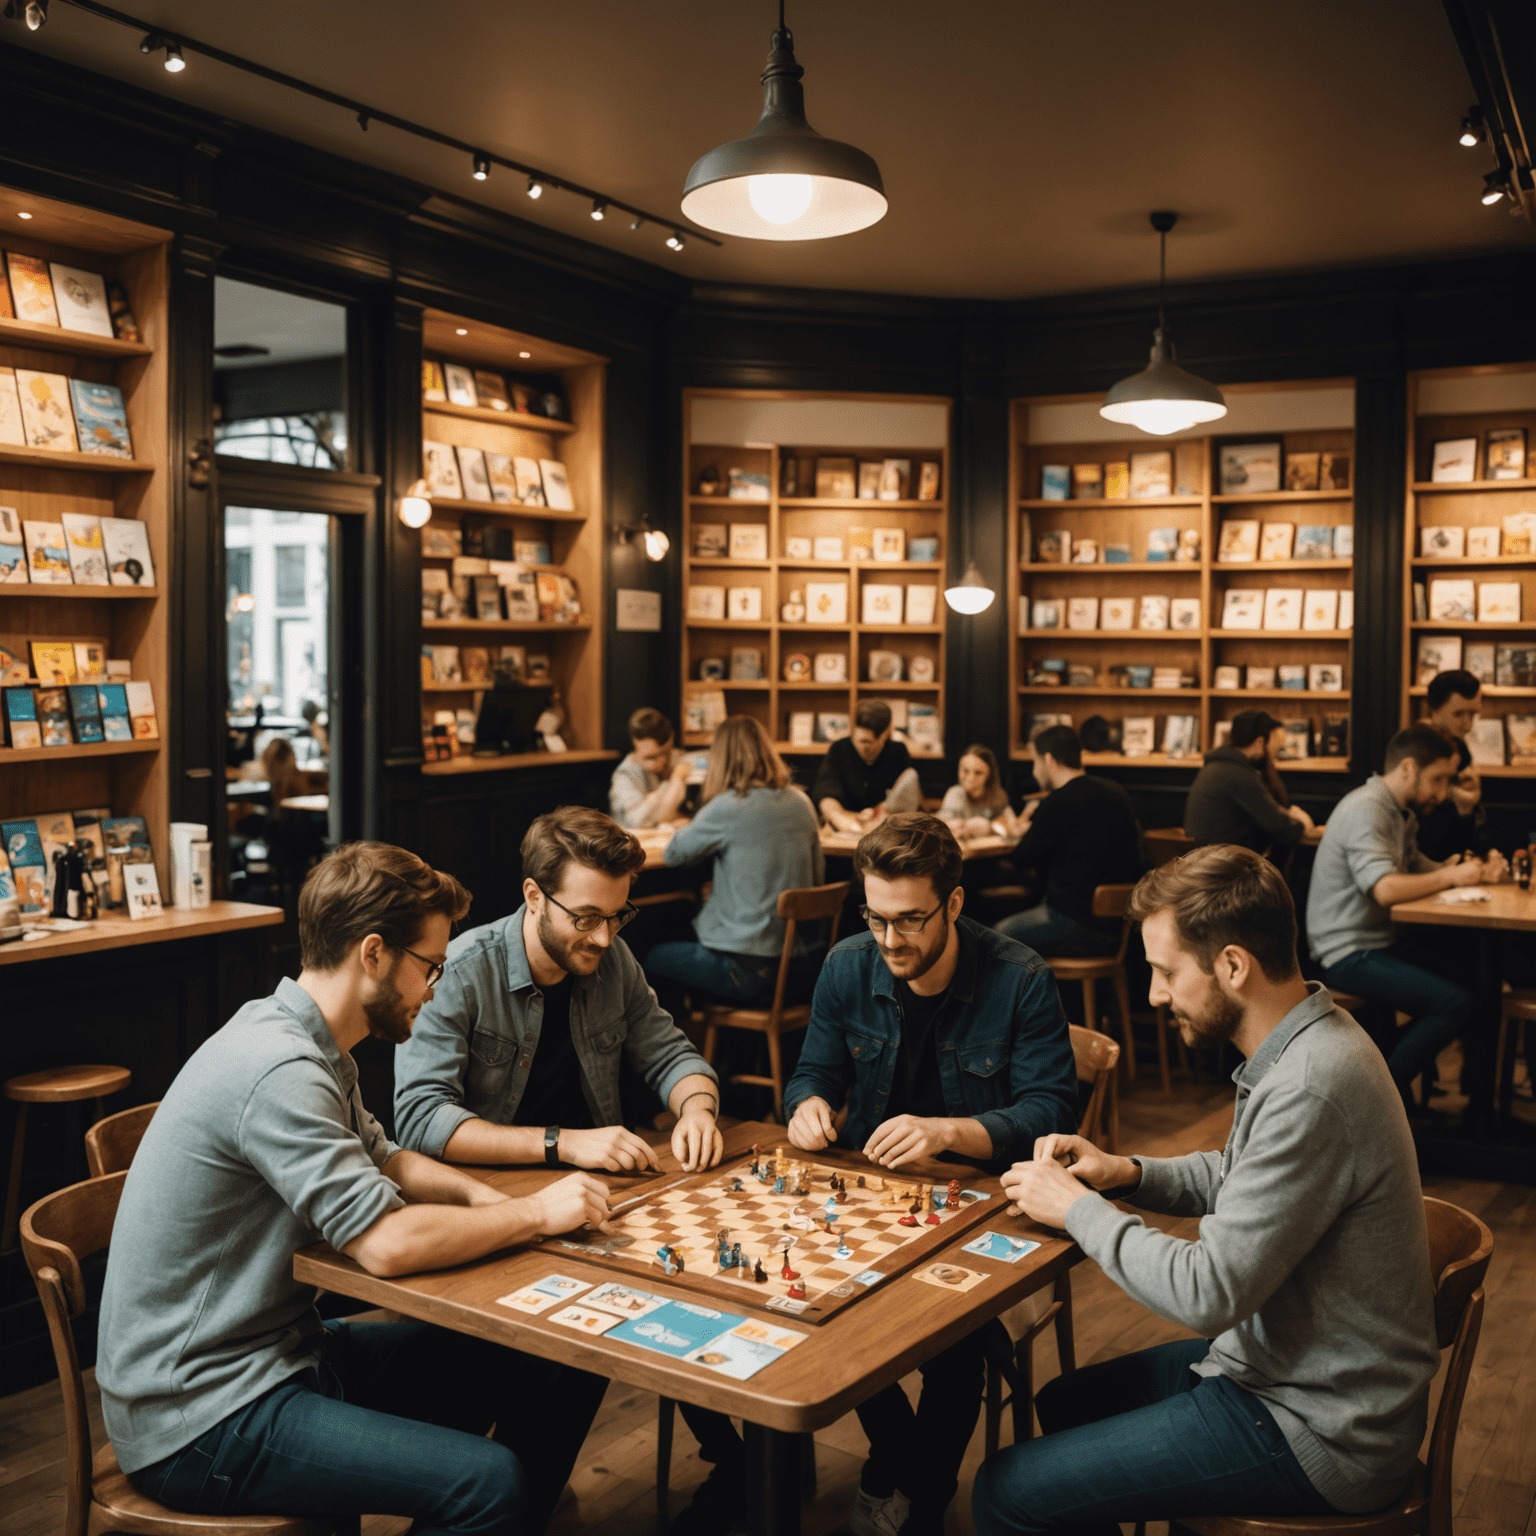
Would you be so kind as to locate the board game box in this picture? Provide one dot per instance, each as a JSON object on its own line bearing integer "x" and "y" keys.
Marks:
{"x": 801, "y": 1238}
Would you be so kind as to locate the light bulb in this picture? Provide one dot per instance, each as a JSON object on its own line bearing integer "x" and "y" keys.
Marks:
{"x": 174, "y": 62}
{"x": 1495, "y": 185}
{"x": 535, "y": 189}
{"x": 482, "y": 167}
{"x": 598, "y": 210}
{"x": 1160, "y": 417}
{"x": 36, "y": 14}
{"x": 656, "y": 544}
{"x": 23, "y": 215}
{"x": 1468, "y": 137}
{"x": 525, "y": 354}
{"x": 674, "y": 241}
{"x": 780, "y": 199}
{"x": 970, "y": 594}
{"x": 415, "y": 506}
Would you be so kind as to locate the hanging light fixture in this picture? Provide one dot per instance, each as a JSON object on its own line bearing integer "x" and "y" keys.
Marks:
{"x": 1163, "y": 398}
{"x": 416, "y": 505}
{"x": 784, "y": 181}
{"x": 970, "y": 594}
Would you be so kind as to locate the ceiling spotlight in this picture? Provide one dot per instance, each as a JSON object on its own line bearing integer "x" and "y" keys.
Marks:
{"x": 525, "y": 354}
{"x": 1163, "y": 398}
{"x": 35, "y": 14}
{"x": 461, "y": 330}
{"x": 1495, "y": 186}
{"x": 784, "y": 181}
{"x": 482, "y": 167}
{"x": 599, "y": 208}
{"x": 675, "y": 240}
{"x": 638, "y": 221}
{"x": 153, "y": 42}
{"x": 535, "y": 188}
{"x": 970, "y": 594}
{"x": 23, "y": 215}
{"x": 1472, "y": 127}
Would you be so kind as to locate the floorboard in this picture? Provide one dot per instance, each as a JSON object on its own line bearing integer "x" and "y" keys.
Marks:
{"x": 613, "y": 1489}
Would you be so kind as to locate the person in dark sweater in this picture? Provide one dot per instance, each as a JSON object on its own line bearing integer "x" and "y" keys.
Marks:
{"x": 1082, "y": 835}
{"x": 1237, "y": 797}
{"x": 1456, "y": 824}
{"x": 865, "y": 774}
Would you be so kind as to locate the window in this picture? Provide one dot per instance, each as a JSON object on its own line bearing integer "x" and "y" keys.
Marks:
{"x": 290, "y": 575}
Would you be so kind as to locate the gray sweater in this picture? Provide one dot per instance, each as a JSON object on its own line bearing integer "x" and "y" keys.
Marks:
{"x": 1312, "y": 1266}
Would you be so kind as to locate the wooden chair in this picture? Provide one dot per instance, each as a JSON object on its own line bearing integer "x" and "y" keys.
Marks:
{"x": 1096, "y": 1056}
{"x": 55, "y": 1085}
{"x": 1517, "y": 1009}
{"x": 812, "y": 904}
{"x": 1460, "y": 1247}
{"x": 111, "y": 1143}
{"x": 56, "y": 1234}
{"x": 1165, "y": 844}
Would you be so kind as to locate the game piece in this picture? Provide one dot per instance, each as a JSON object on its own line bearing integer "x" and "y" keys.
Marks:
{"x": 954, "y": 1194}
{"x": 736, "y": 1259}
{"x": 842, "y": 1194}
{"x": 757, "y": 1155}
{"x": 722, "y": 1251}
{"x": 778, "y": 1185}
{"x": 909, "y": 1220}
{"x": 758, "y": 1274}
{"x": 787, "y": 1273}
{"x": 843, "y": 1250}
{"x": 736, "y": 1187}
{"x": 831, "y": 1203}
{"x": 796, "y": 1292}
{"x": 664, "y": 1253}
{"x": 861, "y": 1181}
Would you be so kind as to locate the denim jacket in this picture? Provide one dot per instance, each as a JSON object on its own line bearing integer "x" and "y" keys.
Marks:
{"x": 1005, "y": 1057}
{"x": 472, "y": 1045}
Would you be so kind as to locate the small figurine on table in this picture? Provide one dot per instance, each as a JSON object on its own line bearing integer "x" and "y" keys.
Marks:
{"x": 668, "y": 1259}
{"x": 954, "y": 1195}
{"x": 736, "y": 1259}
{"x": 843, "y": 1250}
{"x": 778, "y": 1185}
{"x": 831, "y": 1205}
{"x": 787, "y": 1273}
{"x": 722, "y": 1249}
{"x": 758, "y": 1273}
{"x": 796, "y": 1292}
{"x": 910, "y": 1219}
{"x": 736, "y": 1187}
{"x": 757, "y": 1155}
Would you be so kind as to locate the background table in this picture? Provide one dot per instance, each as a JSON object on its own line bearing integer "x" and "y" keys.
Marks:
{"x": 838, "y": 1365}
{"x": 834, "y": 844}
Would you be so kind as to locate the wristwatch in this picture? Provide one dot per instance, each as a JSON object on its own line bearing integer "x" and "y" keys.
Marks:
{"x": 551, "y": 1146}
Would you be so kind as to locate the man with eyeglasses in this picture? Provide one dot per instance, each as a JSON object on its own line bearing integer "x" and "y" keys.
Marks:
{"x": 945, "y": 1039}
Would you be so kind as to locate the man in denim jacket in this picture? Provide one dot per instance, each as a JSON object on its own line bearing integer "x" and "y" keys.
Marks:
{"x": 946, "y": 1039}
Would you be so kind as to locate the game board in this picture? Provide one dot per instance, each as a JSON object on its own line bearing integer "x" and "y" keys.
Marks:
{"x": 687, "y": 1214}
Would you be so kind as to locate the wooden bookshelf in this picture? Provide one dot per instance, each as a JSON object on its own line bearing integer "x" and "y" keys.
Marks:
{"x": 1447, "y": 403}
{"x": 772, "y": 699}
{"x": 130, "y": 777}
{"x": 1195, "y": 503}
{"x": 575, "y": 538}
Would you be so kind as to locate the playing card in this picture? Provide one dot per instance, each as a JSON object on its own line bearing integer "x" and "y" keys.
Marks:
{"x": 584, "y": 1320}
{"x": 562, "y": 1287}
{"x": 998, "y": 1245}
{"x": 625, "y": 1300}
{"x": 949, "y": 1277}
{"x": 528, "y": 1300}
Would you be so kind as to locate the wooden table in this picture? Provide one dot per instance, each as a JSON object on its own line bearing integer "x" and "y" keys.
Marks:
{"x": 840, "y": 1363}
{"x": 833, "y": 845}
{"x": 306, "y": 803}
{"x": 120, "y": 932}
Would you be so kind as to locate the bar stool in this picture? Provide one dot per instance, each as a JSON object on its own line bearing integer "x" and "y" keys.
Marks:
{"x": 55, "y": 1085}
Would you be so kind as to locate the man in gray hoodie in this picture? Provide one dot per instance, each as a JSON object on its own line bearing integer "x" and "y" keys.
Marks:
{"x": 1309, "y": 1286}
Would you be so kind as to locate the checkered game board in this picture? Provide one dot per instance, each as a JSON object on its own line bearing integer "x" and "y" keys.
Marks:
{"x": 687, "y": 1215}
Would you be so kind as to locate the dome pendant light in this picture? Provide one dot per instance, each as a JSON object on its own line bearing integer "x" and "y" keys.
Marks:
{"x": 784, "y": 181}
{"x": 970, "y": 594}
{"x": 1163, "y": 398}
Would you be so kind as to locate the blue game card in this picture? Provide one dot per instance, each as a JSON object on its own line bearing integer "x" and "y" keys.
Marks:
{"x": 998, "y": 1245}
{"x": 677, "y": 1328}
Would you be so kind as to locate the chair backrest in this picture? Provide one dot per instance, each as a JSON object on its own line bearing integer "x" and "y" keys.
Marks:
{"x": 56, "y": 1234}
{"x": 111, "y": 1143}
{"x": 1114, "y": 901}
{"x": 1165, "y": 844}
{"x": 1096, "y": 1056}
{"x": 1460, "y": 1247}
{"x": 808, "y": 904}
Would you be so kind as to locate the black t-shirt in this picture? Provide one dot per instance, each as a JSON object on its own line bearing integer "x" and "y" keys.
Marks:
{"x": 1083, "y": 835}
{"x": 1445, "y": 830}
{"x": 844, "y": 776}
{"x": 553, "y": 1094}
{"x": 916, "y": 1088}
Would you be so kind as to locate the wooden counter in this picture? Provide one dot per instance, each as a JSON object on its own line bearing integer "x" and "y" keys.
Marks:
{"x": 121, "y": 932}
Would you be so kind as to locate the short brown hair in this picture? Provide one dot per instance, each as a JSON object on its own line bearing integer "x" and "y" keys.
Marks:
{"x": 1423, "y": 742}
{"x": 1223, "y": 895}
{"x": 910, "y": 843}
{"x": 872, "y": 715}
{"x": 366, "y": 888}
{"x": 650, "y": 725}
{"x": 741, "y": 757}
{"x": 576, "y": 834}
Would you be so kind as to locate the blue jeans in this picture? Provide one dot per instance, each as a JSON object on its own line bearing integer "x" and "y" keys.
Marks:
{"x": 1049, "y": 932}
{"x": 714, "y": 975}
{"x": 1142, "y": 1438}
{"x": 393, "y": 1421}
{"x": 1439, "y": 1009}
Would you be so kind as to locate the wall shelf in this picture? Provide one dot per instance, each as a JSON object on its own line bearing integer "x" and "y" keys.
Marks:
{"x": 523, "y": 419}
{"x": 89, "y": 463}
{"x": 53, "y": 338}
{"x": 506, "y": 509}
{"x": 10, "y": 755}
{"x": 43, "y": 589}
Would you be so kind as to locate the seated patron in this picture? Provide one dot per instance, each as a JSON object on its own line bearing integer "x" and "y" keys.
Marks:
{"x": 761, "y": 834}
{"x": 945, "y": 1040}
{"x": 223, "y": 1392}
{"x": 1367, "y": 863}
{"x": 1238, "y": 795}
{"x": 1082, "y": 835}
{"x": 651, "y": 782}
{"x": 865, "y": 774}
{"x": 1456, "y": 824}
{"x": 978, "y": 805}
{"x": 1306, "y": 1392}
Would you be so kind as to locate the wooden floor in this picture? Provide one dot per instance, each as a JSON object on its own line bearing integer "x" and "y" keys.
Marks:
{"x": 614, "y": 1483}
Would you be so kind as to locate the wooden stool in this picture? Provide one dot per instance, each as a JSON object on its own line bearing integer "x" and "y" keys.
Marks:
{"x": 57, "y": 1085}
{"x": 1518, "y": 1008}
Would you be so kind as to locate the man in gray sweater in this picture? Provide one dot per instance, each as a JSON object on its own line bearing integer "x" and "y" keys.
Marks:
{"x": 1306, "y": 1390}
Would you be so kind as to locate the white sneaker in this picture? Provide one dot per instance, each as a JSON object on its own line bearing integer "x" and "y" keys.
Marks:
{"x": 878, "y": 1517}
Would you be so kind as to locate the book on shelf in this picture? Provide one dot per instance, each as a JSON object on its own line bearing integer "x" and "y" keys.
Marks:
{"x": 1344, "y": 541}
{"x": 1504, "y": 456}
{"x": 1055, "y": 482}
{"x": 445, "y": 664}
{"x": 826, "y": 602}
{"x": 434, "y": 390}
{"x": 141, "y": 710}
{"x": 1117, "y": 480}
{"x": 116, "y": 723}
{"x": 141, "y": 890}
{"x": 1239, "y": 541}
{"x": 925, "y": 732}
{"x": 53, "y": 717}
{"x": 1085, "y": 552}
{"x": 828, "y": 547}
{"x": 531, "y": 552}
{"x": 21, "y": 724}
{"x": 749, "y": 541}
{"x": 861, "y": 543}
{"x": 1117, "y": 612}
{"x": 706, "y": 602}
{"x": 1226, "y": 677}
{"x": 1519, "y": 533}
{"x": 922, "y": 603}
{"x": 1296, "y": 740}
{"x": 1242, "y": 608}
{"x": 528, "y": 481}
{"x": 1087, "y": 482}
{"x": 14, "y": 668}
{"x": 1184, "y": 613}
{"x": 53, "y": 662}
{"x": 710, "y": 541}
{"x": 1169, "y": 677}
{"x": 29, "y": 872}
{"x": 475, "y": 664}
{"x": 1437, "y": 654}
{"x": 557, "y": 489}
{"x": 1259, "y": 678}
{"x": 1453, "y": 460}
{"x": 31, "y": 289}
{"x": 1138, "y": 735}
{"x": 1082, "y": 613}
{"x": 11, "y": 429}
{"x": 1420, "y": 602}
{"x": 1333, "y": 739}
{"x": 1282, "y": 608}
{"x": 1292, "y": 676}
{"x": 491, "y": 390}
{"x": 47, "y": 553}
{"x": 1442, "y": 541}
{"x": 473, "y": 475}
{"x": 1276, "y": 541}
{"x": 1333, "y": 472}
{"x": 101, "y": 419}
{"x": 1301, "y": 472}
{"x": 928, "y": 480}
{"x": 461, "y": 384}
{"x": 1045, "y": 612}
{"x": 13, "y": 551}
{"x": 895, "y": 479}
{"x": 441, "y": 471}
{"x": 1320, "y": 609}
{"x": 1347, "y": 608}
{"x": 1485, "y": 741}
{"x": 520, "y": 593}
{"x": 1181, "y": 735}
{"x": 1188, "y": 552}
{"x": 85, "y": 712}
{"x": 1522, "y": 740}
{"x": 440, "y": 543}
{"x": 503, "y": 478}
{"x": 743, "y": 485}
{"x": 1479, "y": 660}
{"x": 1498, "y": 602}
{"x": 925, "y": 547}
{"x": 1483, "y": 543}
{"x": 1117, "y": 554}
{"x": 831, "y": 725}
{"x": 743, "y": 604}
{"x": 1082, "y": 674}
{"x": 713, "y": 669}
{"x": 795, "y": 548}
{"x": 883, "y": 603}
{"x": 434, "y": 586}
{"x": 125, "y": 541}
{"x": 1152, "y": 474}
{"x": 746, "y": 665}
{"x": 802, "y": 728}
{"x": 1162, "y": 544}
{"x": 487, "y": 591}
{"x": 890, "y": 544}
{"x": 1135, "y": 675}
{"x": 1246, "y": 468}
{"x": 830, "y": 667}
{"x": 885, "y": 666}
{"x": 1154, "y": 612}
{"x": 1452, "y": 599}
{"x": 1054, "y": 548}
{"x": 46, "y": 416}
{"x": 1515, "y": 666}
{"x": 87, "y": 555}
{"x": 836, "y": 479}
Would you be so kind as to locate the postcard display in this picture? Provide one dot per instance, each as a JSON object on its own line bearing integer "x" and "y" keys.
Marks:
{"x": 84, "y": 500}
{"x": 512, "y": 578}
{"x": 814, "y": 578}
{"x": 1164, "y": 585}
{"x": 1470, "y": 580}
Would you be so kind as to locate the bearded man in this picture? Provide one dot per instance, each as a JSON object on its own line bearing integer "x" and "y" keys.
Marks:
{"x": 223, "y": 1392}
{"x": 946, "y": 1040}
{"x": 1308, "y": 1388}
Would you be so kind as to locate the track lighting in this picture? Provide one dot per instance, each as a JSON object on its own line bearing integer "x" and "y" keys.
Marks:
{"x": 599, "y": 208}
{"x": 675, "y": 240}
{"x": 482, "y": 167}
{"x": 35, "y": 14}
{"x": 1472, "y": 127}
{"x": 636, "y": 223}
{"x": 535, "y": 188}
{"x": 1495, "y": 186}
{"x": 153, "y": 42}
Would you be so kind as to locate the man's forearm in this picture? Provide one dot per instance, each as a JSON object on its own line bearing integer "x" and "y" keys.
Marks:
{"x": 968, "y": 1138}
{"x": 481, "y": 1141}
{"x": 660, "y": 804}
{"x": 425, "y": 1181}
{"x": 703, "y": 1091}
{"x": 420, "y": 1237}
{"x": 1391, "y": 889}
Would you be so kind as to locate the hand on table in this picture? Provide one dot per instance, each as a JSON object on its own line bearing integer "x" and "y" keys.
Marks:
{"x": 1296, "y": 813}
{"x": 681, "y": 769}
{"x": 811, "y": 1126}
{"x": 1045, "y": 1189}
{"x": 1464, "y": 871}
{"x": 906, "y": 1138}
{"x": 1496, "y": 869}
{"x": 610, "y": 1147}
{"x": 575, "y": 1201}
{"x": 696, "y": 1140}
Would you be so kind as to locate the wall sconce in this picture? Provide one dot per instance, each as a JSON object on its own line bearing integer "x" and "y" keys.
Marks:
{"x": 416, "y": 507}
{"x": 656, "y": 542}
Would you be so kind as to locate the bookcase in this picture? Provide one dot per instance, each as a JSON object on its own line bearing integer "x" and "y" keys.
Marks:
{"x": 131, "y": 622}
{"x": 1130, "y": 672}
{"x": 767, "y": 444}
{"x": 574, "y": 539}
{"x": 1481, "y": 534}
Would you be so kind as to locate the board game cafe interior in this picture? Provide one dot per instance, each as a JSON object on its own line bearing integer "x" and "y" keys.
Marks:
{"x": 584, "y": 944}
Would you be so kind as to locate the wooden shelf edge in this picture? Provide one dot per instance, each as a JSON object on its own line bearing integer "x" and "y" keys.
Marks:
{"x": 505, "y": 509}
{"x": 92, "y": 463}
{"x": 1515, "y": 624}
{"x": 1330, "y": 564}
{"x": 1111, "y": 503}
{"x": 523, "y": 419}
{"x": 1463, "y": 561}
{"x": 1250, "y": 498}
{"x": 504, "y": 626}
{"x": 1438, "y": 486}
{"x": 121, "y": 932}
{"x": 446, "y": 767}
{"x": 71, "y": 589}
{"x": 54, "y": 338}
{"x": 1102, "y": 567}
{"x": 853, "y": 504}
{"x": 62, "y": 754}
{"x": 1116, "y": 634}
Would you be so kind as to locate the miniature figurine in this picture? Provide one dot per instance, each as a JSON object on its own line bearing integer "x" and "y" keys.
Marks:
{"x": 796, "y": 1292}
{"x": 758, "y": 1274}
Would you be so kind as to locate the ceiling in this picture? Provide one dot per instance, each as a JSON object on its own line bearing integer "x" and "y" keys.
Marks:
{"x": 1022, "y": 142}
{"x": 287, "y": 327}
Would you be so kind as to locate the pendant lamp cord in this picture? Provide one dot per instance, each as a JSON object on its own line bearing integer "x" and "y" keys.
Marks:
{"x": 1162, "y": 268}
{"x": 781, "y": 15}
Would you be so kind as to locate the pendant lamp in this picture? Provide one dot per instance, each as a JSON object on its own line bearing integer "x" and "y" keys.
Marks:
{"x": 970, "y": 594}
{"x": 784, "y": 181}
{"x": 1163, "y": 397}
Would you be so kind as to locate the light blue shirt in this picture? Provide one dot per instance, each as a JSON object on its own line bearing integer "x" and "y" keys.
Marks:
{"x": 763, "y": 843}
